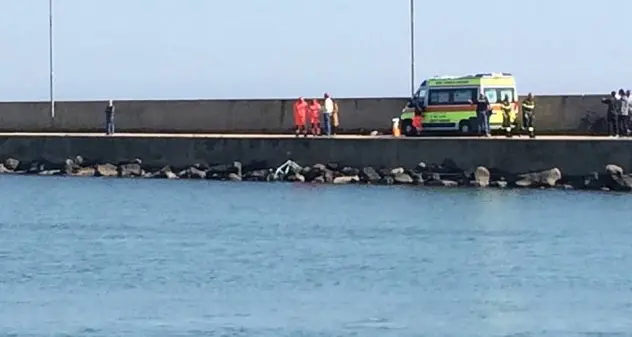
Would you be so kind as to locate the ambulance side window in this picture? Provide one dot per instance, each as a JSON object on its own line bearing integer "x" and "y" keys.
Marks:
{"x": 439, "y": 97}
{"x": 463, "y": 96}
{"x": 491, "y": 95}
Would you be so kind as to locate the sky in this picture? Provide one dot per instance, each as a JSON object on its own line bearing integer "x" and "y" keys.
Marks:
{"x": 189, "y": 49}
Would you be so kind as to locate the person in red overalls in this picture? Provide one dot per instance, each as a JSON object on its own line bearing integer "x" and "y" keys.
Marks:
{"x": 314, "y": 117}
{"x": 300, "y": 112}
{"x": 418, "y": 121}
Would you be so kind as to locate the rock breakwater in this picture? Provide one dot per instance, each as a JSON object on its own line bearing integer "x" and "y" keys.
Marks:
{"x": 446, "y": 174}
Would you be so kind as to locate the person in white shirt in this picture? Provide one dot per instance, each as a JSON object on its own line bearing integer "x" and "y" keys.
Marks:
{"x": 327, "y": 111}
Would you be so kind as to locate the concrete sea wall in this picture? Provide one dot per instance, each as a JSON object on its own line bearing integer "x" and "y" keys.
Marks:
{"x": 555, "y": 114}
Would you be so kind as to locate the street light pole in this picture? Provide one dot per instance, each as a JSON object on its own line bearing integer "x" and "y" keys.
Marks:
{"x": 50, "y": 59}
{"x": 412, "y": 47}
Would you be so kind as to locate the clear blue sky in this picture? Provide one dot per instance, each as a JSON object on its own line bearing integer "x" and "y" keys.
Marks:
{"x": 141, "y": 49}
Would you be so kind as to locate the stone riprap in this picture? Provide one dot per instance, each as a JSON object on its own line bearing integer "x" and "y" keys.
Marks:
{"x": 446, "y": 174}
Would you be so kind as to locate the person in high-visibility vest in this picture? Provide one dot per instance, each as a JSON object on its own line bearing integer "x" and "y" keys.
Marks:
{"x": 418, "y": 121}
{"x": 506, "y": 107}
{"x": 314, "y": 117}
{"x": 300, "y": 112}
{"x": 528, "y": 114}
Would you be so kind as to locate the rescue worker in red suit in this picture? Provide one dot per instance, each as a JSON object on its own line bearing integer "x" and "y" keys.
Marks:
{"x": 300, "y": 116}
{"x": 314, "y": 117}
{"x": 418, "y": 120}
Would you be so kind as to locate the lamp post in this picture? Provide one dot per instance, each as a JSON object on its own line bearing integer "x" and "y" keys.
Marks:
{"x": 50, "y": 59}
{"x": 412, "y": 47}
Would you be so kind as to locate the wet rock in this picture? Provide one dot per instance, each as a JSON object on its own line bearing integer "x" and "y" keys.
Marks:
{"x": 319, "y": 180}
{"x": 195, "y": 173}
{"x": 421, "y": 167}
{"x": 36, "y": 167}
{"x": 384, "y": 172}
{"x": 481, "y": 176}
{"x": 84, "y": 172}
{"x": 106, "y": 170}
{"x": 418, "y": 178}
{"x": 350, "y": 171}
{"x": 296, "y": 177}
{"x": 78, "y": 160}
{"x": 345, "y": 180}
{"x": 616, "y": 180}
{"x": 403, "y": 179}
{"x": 11, "y": 164}
{"x": 329, "y": 176}
{"x": 70, "y": 167}
{"x": 130, "y": 170}
{"x": 614, "y": 170}
{"x": 396, "y": 171}
{"x": 369, "y": 175}
{"x": 547, "y": 178}
{"x": 442, "y": 183}
{"x": 234, "y": 177}
{"x": 222, "y": 171}
{"x": 50, "y": 173}
{"x": 3, "y": 169}
{"x": 257, "y": 175}
{"x": 387, "y": 180}
{"x": 319, "y": 167}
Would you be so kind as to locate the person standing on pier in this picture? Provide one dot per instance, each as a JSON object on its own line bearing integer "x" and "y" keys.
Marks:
{"x": 109, "y": 118}
{"x": 314, "y": 117}
{"x": 624, "y": 107}
{"x": 300, "y": 112}
{"x": 528, "y": 114}
{"x": 335, "y": 118}
{"x": 327, "y": 112}
{"x": 482, "y": 112}
{"x": 506, "y": 106}
{"x": 611, "y": 115}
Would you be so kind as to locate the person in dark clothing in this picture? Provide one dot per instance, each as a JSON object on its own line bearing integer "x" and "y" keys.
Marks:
{"x": 109, "y": 118}
{"x": 506, "y": 107}
{"x": 623, "y": 107}
{"x": 528, "y": 114}
{"x": 482, "y": 113}
{"x": 611, "y": 115}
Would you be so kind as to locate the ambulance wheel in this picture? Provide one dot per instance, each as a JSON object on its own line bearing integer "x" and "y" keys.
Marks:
{"x": 466, "y": 126}
{"x": 407, "y": 128}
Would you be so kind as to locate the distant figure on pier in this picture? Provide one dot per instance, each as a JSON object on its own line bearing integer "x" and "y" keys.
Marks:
{"x": 300, "y": 116}
{"x": 335, "y": 118}
{"x": 506, "y": 107}
{"x": 109, "y": 118}
{"x": 314, "y": 117}
{"x": 624, "y": 107}
{"x": 483, "y": 109}
{"x": 327, "y": 112}
{"x": 627, "y": 94}
{"x": 528, "y": 115}
{"x": 611, "y": 114}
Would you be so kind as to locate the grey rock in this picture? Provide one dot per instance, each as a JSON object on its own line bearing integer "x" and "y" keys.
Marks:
{"x": 387, "y": 180}
{"x": 195, "y": 173}
{"x": 374, "y": 133}
{"x": 396, "y": 171}
{"x": 3, "y": 169}
{"x": 547, "y": 178}
{"x": 296, "y": 177}
{"x": 319, "y": 180}
{"x": 369, "y": 175}
{"x": 106, "y": 170}
{"x": 329, "y": 176}
{"x": 403, "y": 179}
{"x": 234, "y": 177}
{"x": 346, "y": 180}
{"x": 79, "y": 160}
{"x": 333, "y": 166}
{"x": 421, "y": 167}
{"x": 499, "y": 184}
{"x": 614, "y": 170}
{"x": 11, "y": 164}
{"x": 418, "y": 178}
{"x": 130, "y": 170}
{"x": 350, "y": 171}
{"x": 257, "y": 175}
{"x": 481, "y": 176}
{"x": 50, "y": 173}
{"x": 84, "y": 172}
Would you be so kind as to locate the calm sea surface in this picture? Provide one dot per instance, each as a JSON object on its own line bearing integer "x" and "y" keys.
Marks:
{"x": 114, "y": 257}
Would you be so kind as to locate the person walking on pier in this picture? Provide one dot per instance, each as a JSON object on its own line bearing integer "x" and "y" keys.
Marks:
{"x": 314, "y": 117}
{"x": 482, "y": 112}
{"x": 623, "y": 118}
{"x": 300, "y": 112}
{"x": 528, "y": 114}
{"x": 327, "y": 112}
{"x": 611, "y": 115}
{"x": 109, "y": 118}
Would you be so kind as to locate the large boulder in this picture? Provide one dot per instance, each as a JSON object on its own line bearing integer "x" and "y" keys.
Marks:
{"x": 547, "y": 178}
{"x": 11, "y": 164}
{"x": 616, "y": 180}
{"x": 3, "y": 169}
{"x": 81, "y": 172}
{"x": 345, "y": 180}
{"x": 481, "y": 176}
{"x": 403, "y": 179}
{"x": 130, "y": 170}
{"x": 193, "y": 172}
{"x": 350, "y": 171}
{"x": 258, "y": 175}
{"x": 106, "y": 170}
{"x": 369, "y": 175}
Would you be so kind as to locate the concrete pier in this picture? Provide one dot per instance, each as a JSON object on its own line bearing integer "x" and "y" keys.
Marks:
{"x": 573, "y": 114}
{"x": 572, "y": 155}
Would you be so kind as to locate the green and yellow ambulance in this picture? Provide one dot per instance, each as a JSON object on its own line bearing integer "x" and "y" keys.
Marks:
{"x": 445, "y": 102}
